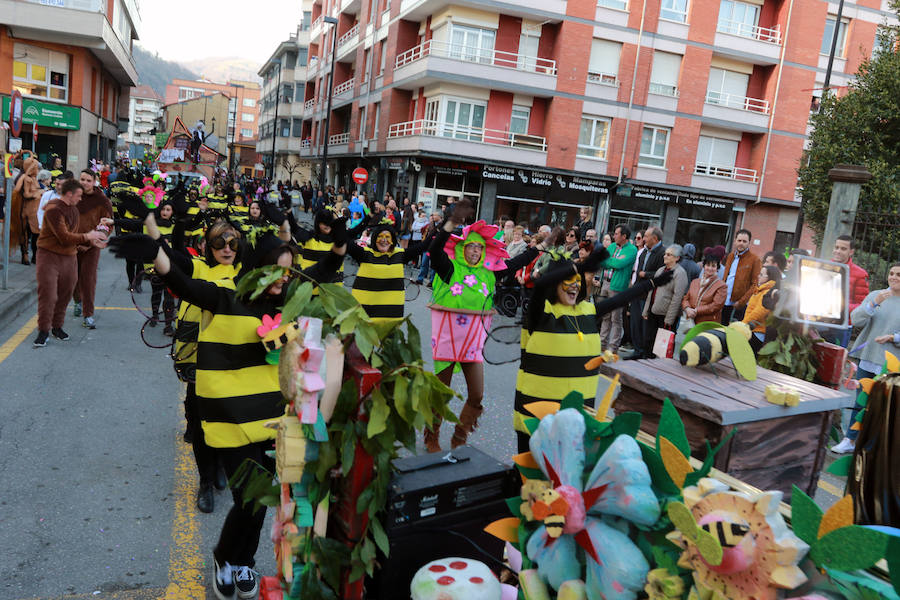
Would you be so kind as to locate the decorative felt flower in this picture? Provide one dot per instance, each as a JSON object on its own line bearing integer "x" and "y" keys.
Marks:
{"x": 456, "y": 289}
{"x": 470, "y": 280}
{"x": 485, "y": 290}
{"x": 462, "y": 320}
{"x": 268, "y": 324}
{"x": 662, "y": 585}
{"x": 618, "y": 485}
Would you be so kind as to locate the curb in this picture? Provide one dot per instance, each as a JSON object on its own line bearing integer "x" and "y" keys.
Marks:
{"x": 14, "y": 302}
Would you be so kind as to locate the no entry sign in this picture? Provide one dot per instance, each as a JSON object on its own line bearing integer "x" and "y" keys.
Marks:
{"x": 360, "y": 175}
{"x": 15, "y": 113}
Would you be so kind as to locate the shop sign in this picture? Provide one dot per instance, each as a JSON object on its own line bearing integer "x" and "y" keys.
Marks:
{"x": 396, "y": 164}
{"x": 449, "y": 167}
{"x": 542, "y": 179}
{"x": 693, "y": 199}
{"x": 648, "y": 193}
{"x": 46, "y": 114}
{"x": 678, "y": 197}
{"x": 427, "y": 197}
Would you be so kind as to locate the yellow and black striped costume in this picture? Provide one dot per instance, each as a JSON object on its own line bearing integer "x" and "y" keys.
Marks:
{"x": 380, "y": 282}
{"x": 217, "y": 201}
{"x": 311, "y": 252}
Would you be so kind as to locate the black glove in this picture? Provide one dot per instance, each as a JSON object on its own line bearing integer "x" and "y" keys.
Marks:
{"x": 462, "y": 211}
{"x": 663, "y": 278}
{"x": 133, "y": 204}
{"x": 595, "y": 259}
{"x": 273, "y": 213}
{"x": 137, "y": 247}
{"x": 339, "y": 231}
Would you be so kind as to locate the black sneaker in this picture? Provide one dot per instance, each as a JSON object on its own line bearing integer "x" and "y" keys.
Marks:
{"x": 247, "y": 582}
{"x": 223, "y": 581}
{"x": 41, "y": 340}
{"x": 59, "y": 334}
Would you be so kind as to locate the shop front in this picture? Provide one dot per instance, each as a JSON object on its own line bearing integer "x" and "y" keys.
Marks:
{"x": 46, "y": 128}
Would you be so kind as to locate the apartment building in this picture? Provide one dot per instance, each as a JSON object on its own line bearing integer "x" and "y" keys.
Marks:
{"x": 71, "y": 61}
{"x": 243, "y": 109}
{"x": 689, "y": 114}
{"x": 144, "y": 111}
{"x": 213, "y": 110}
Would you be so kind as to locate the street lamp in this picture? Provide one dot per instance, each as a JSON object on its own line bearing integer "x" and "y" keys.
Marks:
{"x": 234, "y": 126}
{"x": 324, "y": 167}
{"x": 275, "y": 61}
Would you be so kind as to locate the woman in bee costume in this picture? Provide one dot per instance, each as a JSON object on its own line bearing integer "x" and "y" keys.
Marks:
{"x": 560, "y": 333}
{"x": 237, "y": 389}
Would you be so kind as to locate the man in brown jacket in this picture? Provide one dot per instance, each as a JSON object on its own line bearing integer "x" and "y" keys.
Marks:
{"x": 94, "y": 207}
{"x": 57, "y": 265}
{"x": 741, "y": 271}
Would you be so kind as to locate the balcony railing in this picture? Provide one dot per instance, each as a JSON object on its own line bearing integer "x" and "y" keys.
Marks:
{"x": 316, "y": 23}
{"x": 339, "y": 138}
{"x": 471, "y": 134}
{"x": 735, "y": 173}
{"x": 306, "y": 144}
{"x": 309, "y": 104}
{"x": 351, "y": 33}
{"x": 738, "y": 102}
{"x": 343, "y": 87}
{"x": 485, "y": 56}
{"x": 603, "y": 78}
{"x": 771, "y": 35}
{"x": 661, "y": 89}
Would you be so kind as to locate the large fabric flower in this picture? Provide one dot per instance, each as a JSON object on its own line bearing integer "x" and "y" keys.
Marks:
{"x": 494, "y": 256}
{"x": 456, "y": 289}
{"x": 617, "y": 488}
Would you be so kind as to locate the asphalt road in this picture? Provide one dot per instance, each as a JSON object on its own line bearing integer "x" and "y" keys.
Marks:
{"x": 99, "y": 493}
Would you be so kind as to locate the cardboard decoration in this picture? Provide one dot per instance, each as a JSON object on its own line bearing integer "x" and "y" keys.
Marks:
{"x": 455, "y": 578}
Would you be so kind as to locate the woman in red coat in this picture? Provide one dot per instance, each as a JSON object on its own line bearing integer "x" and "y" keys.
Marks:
{"x": 706, "y": 295}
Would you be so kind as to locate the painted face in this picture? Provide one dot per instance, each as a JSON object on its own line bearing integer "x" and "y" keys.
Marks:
{"x": 284, "y": 261}
{"x": 567, "y": 291}
{"x": 166, "y": 211}
{"x": 472, "y": 253}
{"x": 384, "y": 241}
{"x": 224, "y": 248}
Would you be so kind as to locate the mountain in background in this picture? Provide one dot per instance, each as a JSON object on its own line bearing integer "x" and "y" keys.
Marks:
{"x": 156, "y": 72}
{"x": 222, "y": 69}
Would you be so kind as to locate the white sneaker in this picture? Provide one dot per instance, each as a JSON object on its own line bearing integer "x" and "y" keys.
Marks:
{"x": 845, "y": 446}
{"x": 247, "y": 582}
{"x": 223, "y": 583}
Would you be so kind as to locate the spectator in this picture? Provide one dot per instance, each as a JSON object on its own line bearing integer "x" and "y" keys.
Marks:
{"x": 585, "y": 223}
{"x": 615, "y": 279}
{"x": 859, "y": 278}
{"x": 518, "y": 244}
{"x": 774, "y": 259}
{"x": 425, "y": 271}
{"x": 29, "y": 190}
{"x": 591, "y": 236}
{"x": 573, "y": 238}
{"x": 706, "y": 295}
{"x": 92, "y": 209}
{"x": 607, "y": 240}
{"x": 663, "y": 304}
{"x": 741, "y": 268}
{"x": 790, "y": 259}
{"x": 648, "y": 263}
{"x": 879, "y": 316}
{"x": 407, "y": 216}
{"x": 51, "y": 194}
{"x": 57, "y": 266}
{"x": 769, "y": 279}
{"x": 719, "y": 252}
{"x": 688, "y": 263}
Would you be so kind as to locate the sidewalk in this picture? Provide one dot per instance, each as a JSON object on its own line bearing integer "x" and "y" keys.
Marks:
{"x": 21, "y": 294}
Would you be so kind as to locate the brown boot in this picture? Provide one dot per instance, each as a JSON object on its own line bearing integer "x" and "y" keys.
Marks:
{"x": 468, "y": 421}
{"x": 433, "y": 438}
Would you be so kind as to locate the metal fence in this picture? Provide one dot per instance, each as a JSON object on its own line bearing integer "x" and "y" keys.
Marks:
{"x": 877, "y": 237}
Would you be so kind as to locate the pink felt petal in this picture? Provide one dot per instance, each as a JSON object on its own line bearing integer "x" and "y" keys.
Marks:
{"x": 514, "y": 557}
{"x": 508, "y": 592}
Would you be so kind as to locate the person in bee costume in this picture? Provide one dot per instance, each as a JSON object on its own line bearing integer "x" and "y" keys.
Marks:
{"x": 237, "y": 388}
{"x": 560, "y": 334}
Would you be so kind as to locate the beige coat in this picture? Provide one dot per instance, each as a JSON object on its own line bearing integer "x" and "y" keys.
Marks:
{"x": 667, "y": 299}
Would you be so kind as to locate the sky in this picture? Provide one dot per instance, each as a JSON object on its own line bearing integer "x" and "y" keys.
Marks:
{"x": 184, "y": 30}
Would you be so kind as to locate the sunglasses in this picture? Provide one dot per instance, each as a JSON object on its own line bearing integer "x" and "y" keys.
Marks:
{"x": 220, "y": 242}
{"x": 570, "y": 234}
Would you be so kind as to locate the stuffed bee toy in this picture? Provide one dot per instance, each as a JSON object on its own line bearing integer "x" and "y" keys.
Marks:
{"x": 710, "y": 342}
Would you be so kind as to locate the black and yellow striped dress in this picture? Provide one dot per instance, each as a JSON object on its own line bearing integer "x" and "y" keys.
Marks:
{"x": 311, "y": 252}
{"x": 380, "y": 283}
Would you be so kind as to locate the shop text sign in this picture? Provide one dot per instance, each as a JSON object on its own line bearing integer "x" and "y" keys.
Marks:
{"x": 677, "y": 197}
{"x": 46, "y": 114}
{"x": 551, "y": 181}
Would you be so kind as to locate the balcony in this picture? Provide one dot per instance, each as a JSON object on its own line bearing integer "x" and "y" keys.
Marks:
{"x": 306, "y": 147}
{"x": 660, "y": 89}
{"x": 735, "y": 180}
{"x": 609, "y": 79}
{"x": 316, "y": 28}
{"x": 423, "y": 64}
{"x": 419, "y": 10}
{"x": 309, "y": 105}
{"x": 769, "y": 35}
{"x": 342, "y": 89}
{"x": 477, "y": 142}
{"x": 738, "y": 102}
{"x": 348, "y": 40}
{"x": 740, "y": 110}
{"x": 737, "y": 40}
{"x": 338, "y": 139}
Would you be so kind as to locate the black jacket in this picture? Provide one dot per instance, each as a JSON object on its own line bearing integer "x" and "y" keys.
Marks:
{"x": 654, "y": 262}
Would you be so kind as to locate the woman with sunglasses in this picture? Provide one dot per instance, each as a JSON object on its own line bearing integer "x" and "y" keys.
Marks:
{"x": 241, "y": 392}
{"x": 573, "y": 238}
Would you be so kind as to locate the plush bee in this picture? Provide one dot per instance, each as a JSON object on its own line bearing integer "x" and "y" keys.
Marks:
{"x": 708, "y": 343}
{"x": 552, "y": 509}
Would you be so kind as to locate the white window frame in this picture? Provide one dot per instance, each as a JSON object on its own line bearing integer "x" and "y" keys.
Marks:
{"x": 247, "y": 117}
{"x": 717, "y": 92}
{"x": 712, "y": 158}
{"x": 363, "y": 116}
{"x": 664, "y": 88}
{"x": 734, "y": 26}
{"x": 614, "y": 4}
{"x": 247, "y": 133}
{"x": 383, "y": 58}
{"x": 590, "y": 150}
{"x": 527, "y": 57}
{"x": 249, "y": 102}
{"x": 654, "y": 158}
{"x": 480, "y": 51}
{"x": 51, "y": 62}
{"x": 524, "y": 114}
{"x": 669, "y": 10}
{"x": 840, "y": 51}
{"x": 603, "y": 72}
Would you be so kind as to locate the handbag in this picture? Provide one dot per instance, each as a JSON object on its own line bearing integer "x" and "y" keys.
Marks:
{"x": 664, "y": 345}
{"x": 874, "y": 481}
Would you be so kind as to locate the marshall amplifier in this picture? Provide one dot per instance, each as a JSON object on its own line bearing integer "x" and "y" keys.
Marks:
{"x": 438, "y": 505}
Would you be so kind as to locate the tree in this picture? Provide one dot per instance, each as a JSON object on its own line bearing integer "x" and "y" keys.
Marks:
{"x": 861, "y": 127}
{"x": 291, "y": 166}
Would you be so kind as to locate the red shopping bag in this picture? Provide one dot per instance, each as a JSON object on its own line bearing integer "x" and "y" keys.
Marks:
{"x": 664, "y": 345}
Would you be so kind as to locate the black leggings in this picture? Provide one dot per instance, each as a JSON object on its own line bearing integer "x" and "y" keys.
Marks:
{"x": 204, "y": 456}
{"x": 240, "y": 532}
{"x": 159, "y": 295}
{"x": 132, "y": 270}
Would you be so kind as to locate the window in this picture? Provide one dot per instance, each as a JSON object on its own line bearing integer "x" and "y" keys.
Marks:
{"x": 383, "y": 58}
{"x": 593, "y": 137}
{"x": 455, "y": 117}
{"x": 828, "y": 36}
{"x": 302, "y": 56}
{"x": 363, "y": 113}
{"x": 472, "y": 43}
{"x": 297, "y": 128}
{"x": 290, "y": 60}
{"x": 528, "y": 52}
{"x": 287, "y": 93}
{"x": 247, "y": 117}
{"x": 284, "y": 127}
{"x": 716, "y": 156}
{"x": 368, "y": 63}
{"x": 40, "y": 72}
{"x": 298, "y": 93}
{"x": 604, "y": 63}
{"x": 654, "y": 141}
{"x": 377, "y": 117}
{"x": 518, "y": 120}
{"x": 616, "y": 4}
{"x": 307, "y": 21}
{"x": 673, "y": 10}
{"x": 664, "y": 76}
{"x": 249, "y": 102}
{"x": 738, "y": 18}
{"x": 727, "y": 88}
{"x": 246, "y": 133}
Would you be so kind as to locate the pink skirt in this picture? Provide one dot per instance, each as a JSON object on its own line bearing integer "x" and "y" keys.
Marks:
{"x": 458, "y": 336}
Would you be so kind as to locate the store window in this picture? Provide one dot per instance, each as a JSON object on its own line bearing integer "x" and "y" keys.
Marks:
{"x": 673, "y": 10}
{"x": 703, "y": 226}
{"x": 472, "y": 44}
{"x": 518, "y": 120}
{"x": 828, "y": 37}
{"x": 593, "y": 138}
{"x": 604, "y": 63}
{"x": 664, "y": 75}
{"x": 41, "y": 73}
{"x": 637, "y": 213}
{"x": 738, "y": 18}
{"x": 654, "y": 141}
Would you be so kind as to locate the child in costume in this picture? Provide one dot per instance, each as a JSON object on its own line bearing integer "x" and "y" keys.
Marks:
{"x": 467, "y": 268}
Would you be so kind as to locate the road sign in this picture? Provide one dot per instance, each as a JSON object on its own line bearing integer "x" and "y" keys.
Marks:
{"x": 360, "y": 175}
{"x": 15, "y": 113}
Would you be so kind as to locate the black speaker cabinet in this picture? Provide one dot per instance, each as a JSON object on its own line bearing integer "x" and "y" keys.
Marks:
{"x": 438, "y": 506}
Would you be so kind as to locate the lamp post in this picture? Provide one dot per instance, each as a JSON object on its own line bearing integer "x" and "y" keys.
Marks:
{"x": 234, "y": 126}
{"x": 323, "y": 170}
{"x": 275, "y": 61}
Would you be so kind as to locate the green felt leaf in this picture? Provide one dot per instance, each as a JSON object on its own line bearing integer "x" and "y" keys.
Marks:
{"x": 862, "y": 400}
{"x": 706, "y": 467}
{"x": 664, "y": 560}
{"x": 380, "y": 536}
{"x": 671, "y": 427}
{"x": 297, "y": 300}
{"x": 805, "y": 516}
{"x": 860, "y": 416}
{"x": 683, "y": 520}
{"x": 531, "y": 424}
{"x": 658, "y": 474}
{"x": 627, "y": 423}
{"x": 572, "y": 400}
{"x": 741, "y": 354}
{"x": 893, "y": 560}
{"x": 841, "y": 467}
{"x": 849, "y": 548}
{"x": 697, "y": 330}
{"x": 530, "y": 473}
{"x": 378, "y": 414}
{"x": 515, "y": 506}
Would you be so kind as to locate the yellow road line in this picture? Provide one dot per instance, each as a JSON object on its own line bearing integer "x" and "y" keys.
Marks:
{"x": 186, "y": 580}
{"x": 831, "y": 488}
{"x": 114, "y": 308}
{"x": 17, "y": 338}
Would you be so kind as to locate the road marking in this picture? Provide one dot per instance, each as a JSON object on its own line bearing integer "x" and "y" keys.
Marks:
{"x": 831, "y": 488}
{"x": 17, "y": 338}
{"x": 115, "y": 308}
{"x": 186, "y": 580}
{"x": 141, "y": 594}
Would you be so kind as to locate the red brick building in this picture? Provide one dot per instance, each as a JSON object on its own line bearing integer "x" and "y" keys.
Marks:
{"x": 689, "y": 114}
{"x": 243, "y": 111}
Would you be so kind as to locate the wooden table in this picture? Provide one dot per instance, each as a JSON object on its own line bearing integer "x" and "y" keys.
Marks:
{"x": 773, "y": 447}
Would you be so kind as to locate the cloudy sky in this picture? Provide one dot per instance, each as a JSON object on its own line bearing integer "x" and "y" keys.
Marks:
{"x": 192, "y": 29}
